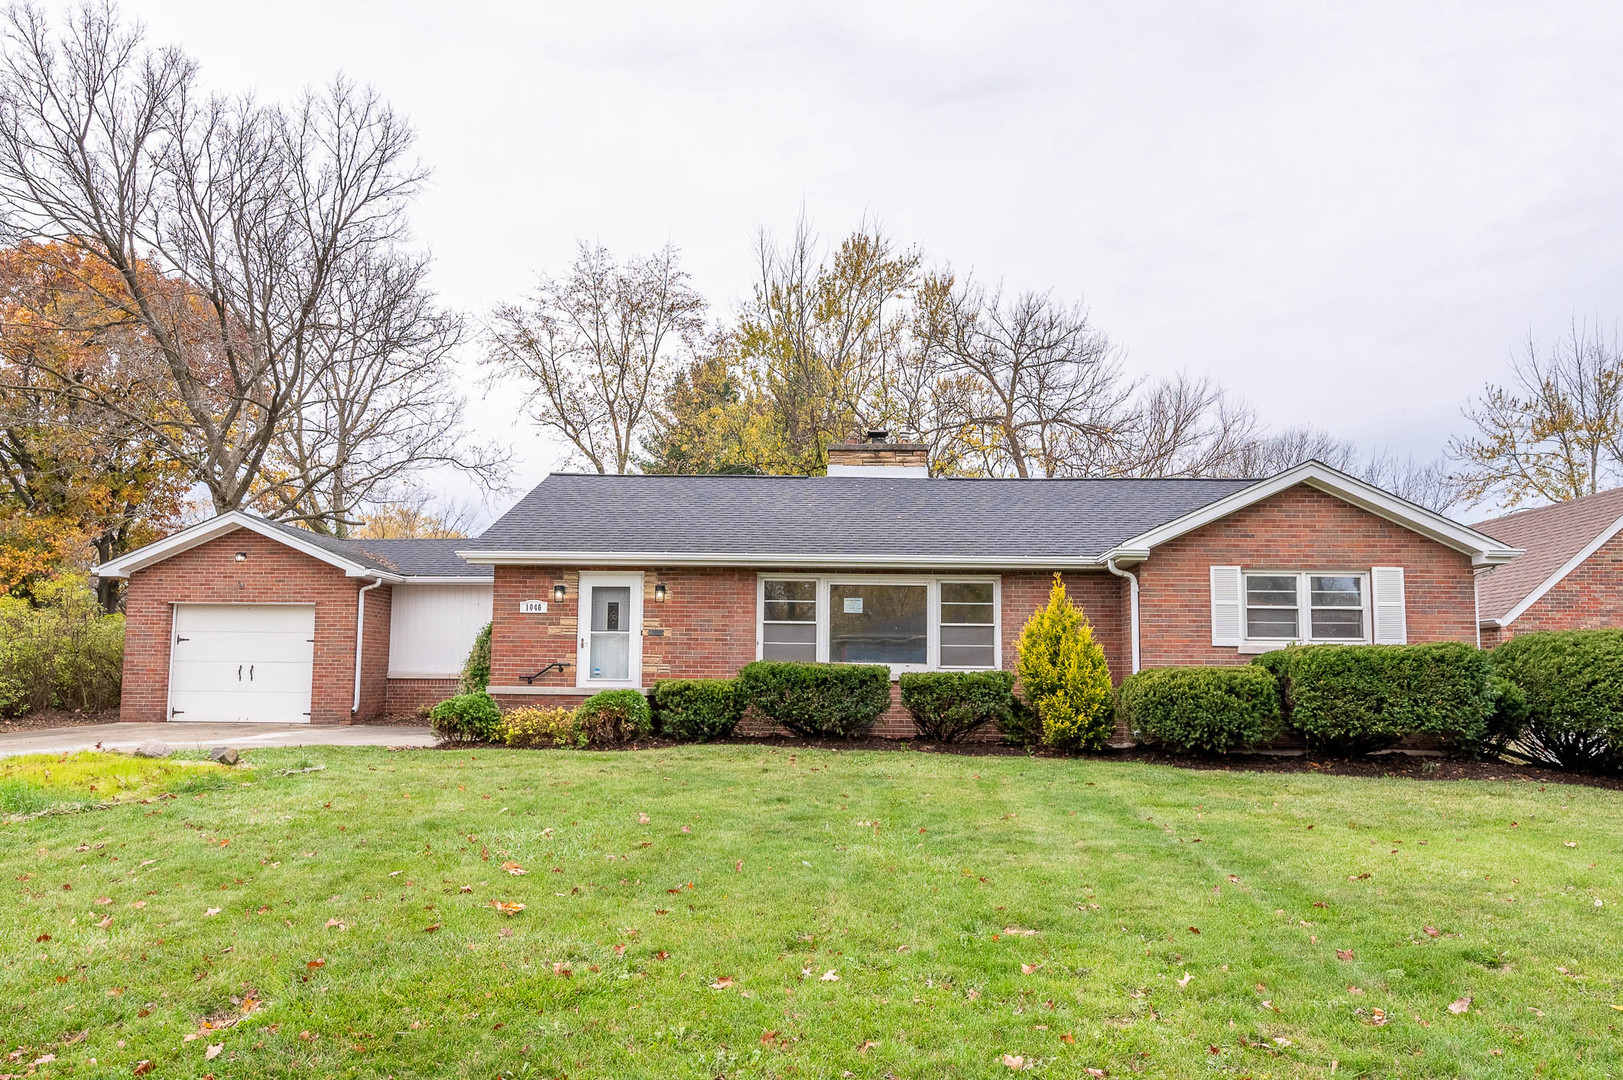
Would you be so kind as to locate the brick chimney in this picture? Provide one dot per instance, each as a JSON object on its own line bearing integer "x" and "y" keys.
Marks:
{"x": 876, "y": 455}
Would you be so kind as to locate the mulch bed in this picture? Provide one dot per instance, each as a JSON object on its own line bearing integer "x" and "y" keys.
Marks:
{"x": 56, "y": 718}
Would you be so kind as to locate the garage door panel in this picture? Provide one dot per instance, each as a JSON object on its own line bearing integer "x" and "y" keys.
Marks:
{"x": 226, "y": 676}
{"x": 229, "y": 618}
{"x": 202, "y": 646}
{"x": 242, "y": 662}
{"x": 274, "y": 708}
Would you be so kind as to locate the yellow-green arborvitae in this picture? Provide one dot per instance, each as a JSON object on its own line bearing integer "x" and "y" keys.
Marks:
{"x": 1063, "y": 675}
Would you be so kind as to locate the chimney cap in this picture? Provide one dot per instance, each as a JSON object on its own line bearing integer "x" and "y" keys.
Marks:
{"x": 876, "y": 435}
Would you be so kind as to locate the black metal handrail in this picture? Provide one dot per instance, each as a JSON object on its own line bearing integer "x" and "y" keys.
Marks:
{"x": 529, "y": 680}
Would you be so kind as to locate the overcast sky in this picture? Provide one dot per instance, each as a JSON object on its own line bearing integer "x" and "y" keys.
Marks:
{"x": 1350, "y": 216}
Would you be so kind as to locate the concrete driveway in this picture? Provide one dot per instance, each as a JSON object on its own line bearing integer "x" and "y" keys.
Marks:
{"x": 183, "y": 736}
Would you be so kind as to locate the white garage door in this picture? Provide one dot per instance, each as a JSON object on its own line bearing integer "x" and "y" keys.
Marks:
{"x": 242, "y": 662}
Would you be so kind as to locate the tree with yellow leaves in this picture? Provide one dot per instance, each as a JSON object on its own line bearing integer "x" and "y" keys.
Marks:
{"x": 1064, "y": 677}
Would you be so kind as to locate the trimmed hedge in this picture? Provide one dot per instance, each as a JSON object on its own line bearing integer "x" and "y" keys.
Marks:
{"x": 613, "y": 716}
{"x": 947, "y": 705}
{"x": 1353, "y": 699}
{"x": 1212, "y": 709}
{"x": 466, "y": 718}
{"x": 696, "y": 710}
{"x": 1571, "y": 684}
{"x": 816, "y": 700}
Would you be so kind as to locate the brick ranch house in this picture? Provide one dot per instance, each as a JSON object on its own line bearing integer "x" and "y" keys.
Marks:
{"x": 1570, "y": 575}
{"x": 594, "y": 582}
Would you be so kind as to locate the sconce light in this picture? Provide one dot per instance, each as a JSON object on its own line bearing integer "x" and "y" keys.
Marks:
{"x": 241, "y": 556}
{"x": 558, "y": 593}
{"x": 659, "y": 592}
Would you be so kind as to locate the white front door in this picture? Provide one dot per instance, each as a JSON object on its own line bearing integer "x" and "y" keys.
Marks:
{"x": 242, "y": 662}
{"x": 610, "y": 639}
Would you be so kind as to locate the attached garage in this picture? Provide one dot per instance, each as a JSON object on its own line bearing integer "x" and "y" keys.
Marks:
{"x": 242, "y": 619}
{"x": 243, "y": 663}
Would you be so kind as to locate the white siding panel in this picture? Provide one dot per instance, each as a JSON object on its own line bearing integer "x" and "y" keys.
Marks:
{"x": 432, "y": 627}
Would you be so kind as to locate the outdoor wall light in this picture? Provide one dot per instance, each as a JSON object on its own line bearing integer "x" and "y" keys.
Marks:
{"x": 558, "y": 593}
{"x": 241, "y": 556}
{"x": 659, "y": 592}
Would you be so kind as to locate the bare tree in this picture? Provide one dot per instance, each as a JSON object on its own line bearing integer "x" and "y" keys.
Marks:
{"x": 1031, "y": 387}
{"x": 232, "y": 230}
{"x": 595, "y": 351}
{"x": 381, "y": 404}
{"x": 1554, "y": 433}
{"x": 1183, "y": 426}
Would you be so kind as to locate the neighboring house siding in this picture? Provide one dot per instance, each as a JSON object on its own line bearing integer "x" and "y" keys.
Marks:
{"x": 273, "y": 573}
{"x": 1589, "y": 598}
{"x": 1298, "y": 529}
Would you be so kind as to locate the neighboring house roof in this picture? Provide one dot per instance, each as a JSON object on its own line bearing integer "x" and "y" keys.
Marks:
{"x": 894, "y": 521}
{"x": 392, "y": 560}
{"x": 1557, "y": 539}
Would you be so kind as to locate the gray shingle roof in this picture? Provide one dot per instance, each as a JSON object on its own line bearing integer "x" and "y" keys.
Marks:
{"x": 414, "y": 558}
{"x": 844, "y": 515}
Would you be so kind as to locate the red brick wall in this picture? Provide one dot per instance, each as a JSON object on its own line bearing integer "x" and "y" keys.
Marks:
{"x": 709, "y": 629}
{"x": 1589, "y": 598}
{"x": 1298, "y": 529}
{"x": 272, "y": 573}
{"x": 404, "y": 697}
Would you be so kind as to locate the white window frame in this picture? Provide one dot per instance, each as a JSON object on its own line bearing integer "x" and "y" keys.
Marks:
{"x": 932, "y": 584}
{"x": 1304, "y": 609}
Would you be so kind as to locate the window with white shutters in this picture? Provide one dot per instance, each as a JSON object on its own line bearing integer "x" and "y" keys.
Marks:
{"x": 1267, "y": 608}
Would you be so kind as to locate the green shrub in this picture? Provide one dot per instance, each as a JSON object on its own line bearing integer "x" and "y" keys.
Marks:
{"x": 1213, "y": 709}
{"x": 947, "y": 705}
{"x": 1353, "y": 699}
{"x": 529, "y": 727}
{"x": 614, "y": 716}
{"x": 816, "y": 700}
{"x": 466, "y": 718}
{"x": 696, "y": 710}
{"x": 476, "y": 669}
{"x": 1572, "y": 686}
{"x": 1064, "y": 677}
{"x": 61, "y": 651}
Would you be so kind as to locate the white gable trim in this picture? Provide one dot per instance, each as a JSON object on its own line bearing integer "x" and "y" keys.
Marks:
{"x": 203, "y": 532}
{"x": 1483, "y": 549}
{"x": 1555, "y": 579}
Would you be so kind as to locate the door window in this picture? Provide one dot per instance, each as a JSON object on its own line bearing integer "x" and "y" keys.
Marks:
{"x": 610, "y": 642}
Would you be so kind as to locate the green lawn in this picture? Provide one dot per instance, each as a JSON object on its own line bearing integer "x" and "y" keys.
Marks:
{"x": 757, "y": 912}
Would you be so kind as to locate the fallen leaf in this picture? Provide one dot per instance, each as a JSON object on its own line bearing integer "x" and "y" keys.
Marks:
{"x": 43, "y": 1059}
{"x": 1015, "y": 1062}
{"x": 1070, "y": 1040}
{"x": 1185, "y": 980}
{"x": 143, "y": 1067}
{"x": 213, "y": 1051}
{"x": 1461, "y": 1005}
{"x": 105, "y": 923}
{"x": 1093, "y": 1072}
{"x": 644, "y": 819}
{"x": 862, "y": 1051}
{"x": 722, "y": 983}
{"x": 828, "y": 976}
{"x": 319, "y": 962}
{"x": 1027, "y": 969}
{"x": 104, "y": 899}
{"x": 561, "y": 968}
{"x": 1194, "y": 929}
{"x": 738, "y": 867}
{"x": 507, "y": 907}
{"x": 431, "y": 929}
{"x": 514, "y": 868}
{"x": 1344, "y": 954}
{"x": 1432, "y": 931}
{"x": 466, "y": 888}
{"x": 211, "y": 912}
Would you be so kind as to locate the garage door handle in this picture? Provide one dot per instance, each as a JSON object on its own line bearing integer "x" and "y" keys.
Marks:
{"x": 239, "y": 672}
{"x": 250, "y": 673}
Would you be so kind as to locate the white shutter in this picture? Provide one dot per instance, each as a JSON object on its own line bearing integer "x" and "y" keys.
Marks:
{"x": 1391, "y": 616}
{"x": 1226, "y": 605}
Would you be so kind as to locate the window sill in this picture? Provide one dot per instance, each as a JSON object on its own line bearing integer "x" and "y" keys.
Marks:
{"x": 1255, "y": 648}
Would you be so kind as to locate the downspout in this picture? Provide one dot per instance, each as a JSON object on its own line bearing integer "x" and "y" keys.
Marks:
{"x": 360, "y": 640}
{"x": 1132, "y": 588}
